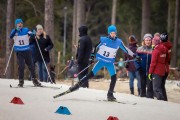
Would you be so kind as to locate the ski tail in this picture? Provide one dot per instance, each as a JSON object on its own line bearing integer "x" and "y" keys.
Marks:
{"x": 63, "y": 93}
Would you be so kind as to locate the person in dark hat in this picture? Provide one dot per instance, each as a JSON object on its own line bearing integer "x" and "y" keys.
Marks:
{"x": 83, "y": 53}
{"x": 158, "y": 68}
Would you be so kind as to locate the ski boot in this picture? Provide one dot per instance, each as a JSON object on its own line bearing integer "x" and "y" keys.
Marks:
{"x": 36, "y": 82}
{"x": 75, "y": 87}
{"x": 21, "y": 83}
{"x": 110, "y": 97}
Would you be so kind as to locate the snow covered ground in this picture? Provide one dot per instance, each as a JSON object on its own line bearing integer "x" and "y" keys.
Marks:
{"x": 83, "y": 104}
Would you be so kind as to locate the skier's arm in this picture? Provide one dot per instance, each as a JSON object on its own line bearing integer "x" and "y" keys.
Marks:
{"x": 96, "y": 47}
{"x": 126, "y": 50}
{"x": 13, "y": 32}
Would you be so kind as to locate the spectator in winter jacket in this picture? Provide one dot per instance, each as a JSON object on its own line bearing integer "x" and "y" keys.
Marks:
{"x": 45, "y": 45}
{"x": 145, "y": 52}
{"x": 83, "y": 53}
{"x": 168, "y": 45}
{"x": 157, "y": 69}
{"x": 130, "y": 66}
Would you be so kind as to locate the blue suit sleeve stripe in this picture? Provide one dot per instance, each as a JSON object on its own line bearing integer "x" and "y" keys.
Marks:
{"x": 125, "y": 49}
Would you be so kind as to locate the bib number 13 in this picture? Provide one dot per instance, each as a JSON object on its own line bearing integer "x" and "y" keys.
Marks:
{"x": 106, "y": 54}
{"x": 21, "y": 42}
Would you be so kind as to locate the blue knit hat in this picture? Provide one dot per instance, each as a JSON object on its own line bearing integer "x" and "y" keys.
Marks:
{"x": 112, "y": 28}
{"x": 18, "y": 21}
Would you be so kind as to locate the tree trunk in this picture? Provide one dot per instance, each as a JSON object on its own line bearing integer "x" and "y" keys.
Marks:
{"x": 145, "y": 17}
{"x": 74, "y": 28}
{"x": 113, "y": 17}
{"x": 9, "y": 27}
{"x": 169, "y": 20}
{"x": 78, "y": 20}
{"x": 49, "y": 23}
{"x": 175, "y": 42}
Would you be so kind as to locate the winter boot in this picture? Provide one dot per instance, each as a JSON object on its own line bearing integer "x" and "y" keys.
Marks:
{"x": 110, "y": 97}
{"x": 139, "y": 92}
{"x": 81, "y": 82}
{"x": 21, "y": 83}
{"x": 36, "y": 82}
{"x": 132, "y": 91}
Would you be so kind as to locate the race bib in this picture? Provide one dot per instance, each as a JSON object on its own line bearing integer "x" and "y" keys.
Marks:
{"x": 21, "y": 40}
{"x": 107, "y": 51}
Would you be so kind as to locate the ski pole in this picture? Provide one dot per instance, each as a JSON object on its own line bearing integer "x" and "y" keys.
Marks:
{"x": 64, "y": 69}
{"x": 43, "y": 60}
{"x": 8, "y": 60}
{"x": 75, "y": 75}
{"x": 125, "y": 61}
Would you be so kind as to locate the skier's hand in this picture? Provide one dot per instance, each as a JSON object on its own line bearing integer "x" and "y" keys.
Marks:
{"x": 92, "y": 58}
{"x": 137, "y": 58}
{"x": 34, "y": 32}
{"x": 18, "y": 28}
{"x": 150, "y": 76}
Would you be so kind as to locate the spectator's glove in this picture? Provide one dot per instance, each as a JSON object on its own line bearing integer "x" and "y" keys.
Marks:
{"x": 18, "y": 29}
{"x": 150, "y": 76}
{"x": 137, "y": 58}
{"x": 92, "y": 58}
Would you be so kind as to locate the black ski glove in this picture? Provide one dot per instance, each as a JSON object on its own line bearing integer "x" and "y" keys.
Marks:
{"x": 137, "y": 58}
{"x": 91, "y": 60}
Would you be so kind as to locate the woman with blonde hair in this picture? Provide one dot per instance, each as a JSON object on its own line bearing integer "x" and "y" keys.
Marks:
{"x": 45, "y": 45}
{"x": 145, "y": 52}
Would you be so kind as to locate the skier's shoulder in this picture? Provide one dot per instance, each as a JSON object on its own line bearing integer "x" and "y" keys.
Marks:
{"x": 24, "y": 31}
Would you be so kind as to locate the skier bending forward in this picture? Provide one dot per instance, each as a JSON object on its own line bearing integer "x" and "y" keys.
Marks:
{"x": 106, "y": 53}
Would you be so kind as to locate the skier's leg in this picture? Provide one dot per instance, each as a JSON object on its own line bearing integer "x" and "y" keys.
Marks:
{"x": 21, "y": 66}
{"x": 29, "y": 62}
{"x": 97, "y": 67}
{"x": 111, "y": 68}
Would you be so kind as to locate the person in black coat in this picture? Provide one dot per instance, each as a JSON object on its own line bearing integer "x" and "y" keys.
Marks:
{"x": 45, "y": 45}
{"x": 83, "y": 52}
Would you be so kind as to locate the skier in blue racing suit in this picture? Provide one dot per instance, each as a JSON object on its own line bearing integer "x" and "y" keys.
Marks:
{"x": 106, "y": 52}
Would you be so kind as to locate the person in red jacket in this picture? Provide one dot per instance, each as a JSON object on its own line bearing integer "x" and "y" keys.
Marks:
{"x": 157, "y": 68}
{"x": 168, "y": 45}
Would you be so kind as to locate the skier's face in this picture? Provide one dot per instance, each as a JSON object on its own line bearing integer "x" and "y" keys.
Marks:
{"x": 148, "y": 41}
{"x": 113, "y": 34}
{"x": 19, "y": 25}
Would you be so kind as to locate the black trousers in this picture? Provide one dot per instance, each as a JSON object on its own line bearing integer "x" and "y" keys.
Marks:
{"x": 157, "y": 86}
{"x": 146, "y": 86}
{"x": 80, "y": 68}
{"x": 25, "y": 57}
{"x": 163, "y": 87}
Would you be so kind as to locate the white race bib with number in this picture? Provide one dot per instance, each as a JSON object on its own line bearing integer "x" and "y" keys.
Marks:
{"x": 107, "y": 51}
{"x": 21, "y": 40}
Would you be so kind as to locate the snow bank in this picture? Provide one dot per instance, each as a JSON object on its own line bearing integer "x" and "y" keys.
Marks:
{"x": 84, "y": 104}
